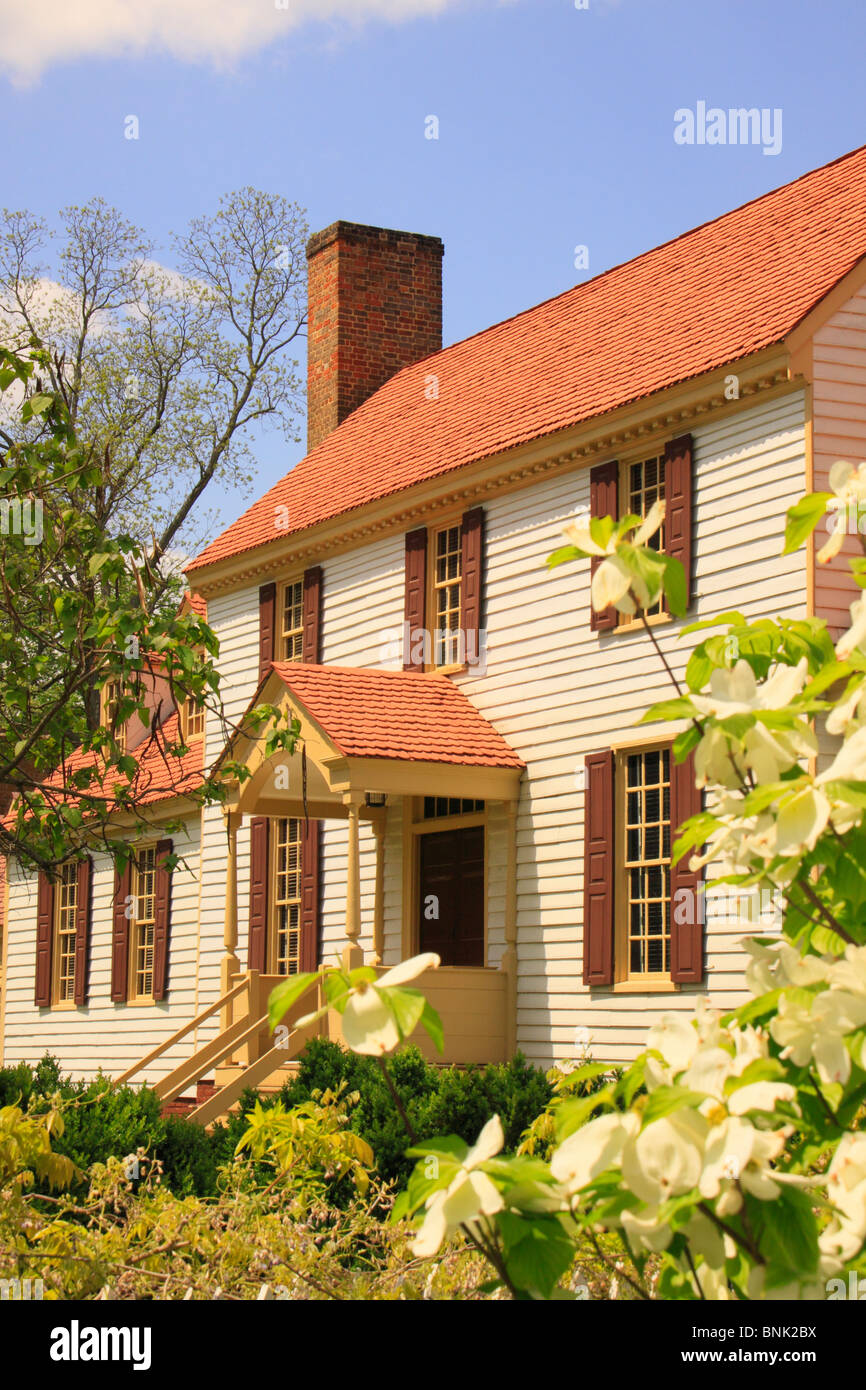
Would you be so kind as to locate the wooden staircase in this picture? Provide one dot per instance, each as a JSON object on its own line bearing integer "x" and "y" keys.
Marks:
{"x": 243, "y": 1049}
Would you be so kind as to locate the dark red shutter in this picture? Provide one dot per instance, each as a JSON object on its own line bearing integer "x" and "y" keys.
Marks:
{"x": 312, "y": 615}
{"x": 687, "y": 934}
{"x": 120, "y": 935}
{"x": 678, "y": 499}
{"x": 415, "y": 603}
{"x": 309, "y": 947}
{"x": 161, "y": 920}
{"x": 311, "y": 830}
{"x": 603, "y": 501}
{"x": 267, "y": 618}
{"x": 259, "y": 877}
{"x": 472, "y": 582}
{"x": 598, "y": 870}
{"x": 83, "y": 912}
{"x": 44, "y": 940}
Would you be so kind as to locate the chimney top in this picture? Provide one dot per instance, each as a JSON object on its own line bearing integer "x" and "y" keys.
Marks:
{"x": 375, "y": 306}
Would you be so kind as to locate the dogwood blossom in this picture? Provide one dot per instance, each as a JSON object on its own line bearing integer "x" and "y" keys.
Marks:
{"x": 469, "y": 1195}
{"x": 849, "y": 485}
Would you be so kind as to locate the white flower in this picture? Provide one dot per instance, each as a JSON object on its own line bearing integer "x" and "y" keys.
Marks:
{"x": 856, "y": 634}
{"x": 850, "y": 711}
{"x": 665, "y": 1159}
{"x": 737, "y": 691}
{"x": 592, "y": 1149}
{"x": 675, "y": 1038}
{"x": 849, "y": 764}
{"x": 760, "y": 1095}
{"x": 644, "y": 1228}
{"x": 801, "y": 820}
{"x": 846, "y": 1188}
{"x": 849, "y": 485}
{"x": 470, "y": 1194}
{"x": 817, "y": 1031}
{"x": 369, "y": 1027}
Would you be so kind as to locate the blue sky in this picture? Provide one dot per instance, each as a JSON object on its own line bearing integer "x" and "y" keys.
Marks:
{"x": 555, "y": 124}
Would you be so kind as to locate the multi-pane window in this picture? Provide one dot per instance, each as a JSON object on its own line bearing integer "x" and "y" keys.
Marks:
{"x": 286, "y": 912}
{"x": 292, "y": 622}
{"x": 645, "y": 485}
{"x": 65, "y": 909}
{"x": 143, "y": 923}
{"x": 447, "y": 566}
{"x": 437, "y": 806}
{"x": 646, "y": 862}
{"x": 194, "y": 711}
{"x": 111, "y": 693}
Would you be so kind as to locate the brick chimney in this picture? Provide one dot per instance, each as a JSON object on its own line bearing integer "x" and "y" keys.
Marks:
{"x": 375, "y": 305}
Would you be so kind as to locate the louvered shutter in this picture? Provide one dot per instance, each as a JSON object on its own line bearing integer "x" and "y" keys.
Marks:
{"x": 415, "y": 600}
{"x": 44, "y": 940}
{"x": 120, "y": 935}
{"x": 161, "y": 920}
{"x": 678, "y": 498}
{"x": 598, "y": 870}
{"x": 259, "y": 878}
{"x": 311, "y": 831}
{"x": 603, "y": 501}
{"x": 312, "y": 615}
{"x": 83, "y": 914}
{"x": 472, "y": 583}
{"x": 267, "y": 619}
{"x": 687, "y": 927}
{"x": 310, "y": 849}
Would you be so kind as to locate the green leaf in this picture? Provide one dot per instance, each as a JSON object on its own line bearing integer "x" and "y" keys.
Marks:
{"x": 803, "y": 517}
{"x": 681, "y": 708}
{"x": 563, "y": 555}
{"x": 664, "y": 1100}
{"x": 407, "y": 1006}
{"x": 432, "y": 1024}
{"x": 675, "y": 585}
{"x": 537, "y": 1252}
{"x": 787, "y": 1234}
{"x": 285, "y": 994}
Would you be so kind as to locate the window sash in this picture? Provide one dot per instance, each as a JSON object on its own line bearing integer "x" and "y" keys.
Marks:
{"x": 65, "y": 930}
{"x": 292, "y": 621}
{"x": 143, "y": 924}
{"x": 643, "y": 849}
{"x": 286, "y": 884}
{"x": 446, "y": 593}
{"x": 642, "y": 484}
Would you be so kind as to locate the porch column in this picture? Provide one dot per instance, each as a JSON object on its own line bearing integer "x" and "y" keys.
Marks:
{"x": 353, "y": 956}
{"x": 509, "y": 956}
{"x": 230, "y": 965}
{"x": 379, "y": 903}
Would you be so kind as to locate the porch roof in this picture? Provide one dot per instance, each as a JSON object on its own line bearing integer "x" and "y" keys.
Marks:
{"x": 401, "y": 733}
{"x": 396, "y": 714}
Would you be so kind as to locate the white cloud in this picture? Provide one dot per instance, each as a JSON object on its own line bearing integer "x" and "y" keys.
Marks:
{"x": 41, "y": 33}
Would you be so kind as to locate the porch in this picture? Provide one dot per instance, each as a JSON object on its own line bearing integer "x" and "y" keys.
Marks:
{"x": 361, "y": 734}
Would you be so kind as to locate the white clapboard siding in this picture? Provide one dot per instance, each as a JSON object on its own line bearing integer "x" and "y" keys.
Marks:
{"x": 102, "y": 1035}
{"x": 555, "y": 689}
{"x": 839, "y": 432}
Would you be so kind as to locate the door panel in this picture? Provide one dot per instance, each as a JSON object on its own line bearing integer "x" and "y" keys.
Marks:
{"x": 452, "y": 886}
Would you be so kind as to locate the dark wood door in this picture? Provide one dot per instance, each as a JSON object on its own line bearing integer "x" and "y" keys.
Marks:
{"x": 451, "y": 907}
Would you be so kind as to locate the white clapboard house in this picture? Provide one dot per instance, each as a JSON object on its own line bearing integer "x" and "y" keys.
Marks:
{"x": 475, "y": 780}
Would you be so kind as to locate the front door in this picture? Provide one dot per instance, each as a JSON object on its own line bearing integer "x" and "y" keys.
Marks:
{"x": 451, "y": 908}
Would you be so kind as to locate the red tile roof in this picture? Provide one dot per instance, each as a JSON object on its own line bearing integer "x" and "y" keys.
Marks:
{"x": 197, "y": 604}
{"x": 160, "y": 775}
{"x": 715, "y": 294}
{"x": 396, "y": 714}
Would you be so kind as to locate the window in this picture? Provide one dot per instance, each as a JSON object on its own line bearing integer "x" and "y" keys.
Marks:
{"x": 141, "y": 943}
{"x": 438, "y": 806}
{"x": 193, "y": 715}
{"x": 65, "y": 912}
{"x": 643, "y": 863}
{"x": 643, "y": 486}
{"x": 286, "y": 898}
{"x": 291, "y": 622}
{"x": 110, "y": 697}
{"x": 446, "y": 596}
